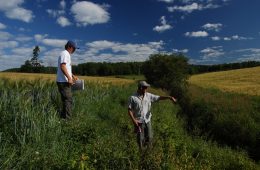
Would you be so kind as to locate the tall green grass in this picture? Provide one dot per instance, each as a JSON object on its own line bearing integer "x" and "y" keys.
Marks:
{"x": 99, "y": 134}
{"x": 229, "y": 118}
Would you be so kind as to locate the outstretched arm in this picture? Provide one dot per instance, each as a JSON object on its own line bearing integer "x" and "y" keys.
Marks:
{"x": 168, "y": 97}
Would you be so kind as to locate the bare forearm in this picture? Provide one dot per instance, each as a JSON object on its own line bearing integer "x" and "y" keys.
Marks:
{"x": 65, "y": 72}
{"x": 168, "y": 97}
{"x": 130, "y": 113}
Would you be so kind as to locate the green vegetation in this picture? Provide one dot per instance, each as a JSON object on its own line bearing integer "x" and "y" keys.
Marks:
{"x": 228, "y": 118}
{"x": 99, "y": 135}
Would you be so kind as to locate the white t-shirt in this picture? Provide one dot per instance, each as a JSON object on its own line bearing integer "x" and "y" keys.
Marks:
{"x": 64, "y": 58}
{"x": 141, "y": 107}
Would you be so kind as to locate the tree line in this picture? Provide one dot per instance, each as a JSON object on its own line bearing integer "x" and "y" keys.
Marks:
{"x": 34, "y": 65}
{"x": 127, "y": 68}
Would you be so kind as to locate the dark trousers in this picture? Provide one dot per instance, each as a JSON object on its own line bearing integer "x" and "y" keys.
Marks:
{"x": 66, "y": 98}
{"x": 144, "y": 135}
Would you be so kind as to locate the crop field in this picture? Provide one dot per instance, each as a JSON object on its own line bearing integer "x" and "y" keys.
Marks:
{"x": 99, "y": 135}
{"x": 52, "y": 77}
{"x": 243, "y": 81}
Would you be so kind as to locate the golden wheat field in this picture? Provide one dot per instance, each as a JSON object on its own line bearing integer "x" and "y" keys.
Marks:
{"x": 35, "y": 76}
{"x": 244, "y": 81}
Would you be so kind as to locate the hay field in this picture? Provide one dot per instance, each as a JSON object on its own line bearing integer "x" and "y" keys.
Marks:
{"x": 244, "y": 81}
{"x": 52, "y": 77}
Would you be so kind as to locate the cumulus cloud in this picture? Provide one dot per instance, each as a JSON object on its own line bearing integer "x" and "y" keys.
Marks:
{"x": 62, "y": 21}
{"x": 59, "y": 14}
{"x": 8, "y": 44}
{"x": 180, "y": 51}
{"x": 167, "y": 1}
{"x": 88, "y": 13}
{"x": 247, "y": 54}
{"x": 186, "y": 8}
{"x": 215, "y": 27}
{"x": 196, "y": 34}
{"x": 39, "y": 37}
{"x": 5, "y": 35}
{"x": 2, "y": 26}
{"x": 63, "y": 4}
{"x": 212, "y": 52}
{"x": 109, "y": 51}
{"x": 54, "y": 42}
{"x": 163, "y": 27}
{"x": 22, "y": 50}
{"x": 234, "y": 37}
{"x": 215, "y": 38}
{"x": 13, "y": 10}
{"x": 192, "y": 5}
{"x": 22, "y": 38}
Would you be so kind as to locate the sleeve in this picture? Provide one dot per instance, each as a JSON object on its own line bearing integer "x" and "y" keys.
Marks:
{"x": 130, "y": 101}
{"x": 63, "y": 58}
{"x": 154, "y": 98}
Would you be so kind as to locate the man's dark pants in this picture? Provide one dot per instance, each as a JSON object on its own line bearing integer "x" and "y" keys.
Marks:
{"x": 66, "y": 98}
{"x": 145, "y": 136}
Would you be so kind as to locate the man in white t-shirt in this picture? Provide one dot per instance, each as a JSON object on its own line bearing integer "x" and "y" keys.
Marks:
{"x": 65, "y": 78}
{"x": 139, "y": 110}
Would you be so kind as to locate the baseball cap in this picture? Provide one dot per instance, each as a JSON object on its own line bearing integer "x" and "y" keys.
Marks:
{"x": 143, "y": 84}
{"x": 72, "y": 44}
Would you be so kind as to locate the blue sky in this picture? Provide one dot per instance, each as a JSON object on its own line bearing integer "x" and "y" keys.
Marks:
{"x": 206, "y": 31}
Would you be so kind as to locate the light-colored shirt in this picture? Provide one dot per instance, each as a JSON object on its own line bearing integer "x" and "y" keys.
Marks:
{"x": 64, "y": 58}
{"x": 141, "y": 106}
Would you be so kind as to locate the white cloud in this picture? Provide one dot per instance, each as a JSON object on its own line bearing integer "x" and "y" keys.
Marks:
{"x": 194, "y": 5}
{"x": 62, "y": 21}
{"x": 100, "y": 51}
{"x": 54, "y": 42}
{"x": 196, "y": 34}
{"x": 236, "y": 37}
{"x": 212, "y": 52}
{"x": 215, "y": 38}
{"x": 8, "y": 44}
{"x": 39, "y": 37}
{"x": 55, "y": 13}
{"x": 180, "y": 51}
{"x": 167, "y": 1}
{"x": 216, "y": 27}
{"x": 5, "y": 35}
{"x": 187, "y": 8}
{"x": 227, "y": 39}
{"x": 22, "y": 51}
{"x": 50, "y": 42}
{"x": 248, "y": 54}
{"x": 63, "y": 4}
{"x": 88, "y": 13}
{"x": 2, "y": 26}
{"x": 23, "y": 38}
{"x": 163, "y": 27}
{"x": 13, "y": 10}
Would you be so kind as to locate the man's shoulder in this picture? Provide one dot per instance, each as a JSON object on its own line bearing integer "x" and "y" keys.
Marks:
{"x": 64, "y": 53}
{"x": 149, "y": 94}
{"x": 134, "y": 95}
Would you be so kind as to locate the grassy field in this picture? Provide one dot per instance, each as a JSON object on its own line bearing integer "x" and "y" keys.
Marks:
{"x": 52, "y": 77}
{"x": 225, "y": 107}
{"x": 243, "y": 81}
{"x": 100, "y": 134}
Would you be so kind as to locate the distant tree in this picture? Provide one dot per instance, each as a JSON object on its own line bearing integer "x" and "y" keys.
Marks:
{"x": 33, "y": 65}
{"x": 35, "y": 58}
{"x": 169, "y": 72}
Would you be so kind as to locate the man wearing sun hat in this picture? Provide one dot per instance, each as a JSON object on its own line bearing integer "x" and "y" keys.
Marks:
{"x": 65, "y": 78}
{"x": 139, "y": 110}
